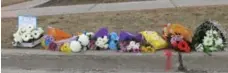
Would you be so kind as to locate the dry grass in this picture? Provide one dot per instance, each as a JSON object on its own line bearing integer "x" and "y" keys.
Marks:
{"x": 133, "y": 21}
{"x": 10, "y": 2}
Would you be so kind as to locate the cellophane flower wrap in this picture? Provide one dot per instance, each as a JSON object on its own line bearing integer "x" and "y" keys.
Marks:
{"x": 208, "y": 37}
{"x": 156, "y": 41}
{"x": 178, "y": 37}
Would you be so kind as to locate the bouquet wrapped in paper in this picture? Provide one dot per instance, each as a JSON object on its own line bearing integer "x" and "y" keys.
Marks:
{"x": 209, "y": 37}
{"x": 129, "y": 42}
{"x": 156, "y": 42}
{"x": 58, "y": 40}
{"x": 178, "y": 37}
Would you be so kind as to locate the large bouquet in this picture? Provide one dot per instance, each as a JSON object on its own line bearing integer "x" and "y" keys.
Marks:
{"x": 208, "y": 38}
{"x": 178, "y": 36}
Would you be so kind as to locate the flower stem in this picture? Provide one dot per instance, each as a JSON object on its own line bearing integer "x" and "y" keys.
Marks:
{"x": 181, "y": 66}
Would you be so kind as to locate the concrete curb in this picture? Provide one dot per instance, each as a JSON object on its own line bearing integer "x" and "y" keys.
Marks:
{"x": 99, "y": 53}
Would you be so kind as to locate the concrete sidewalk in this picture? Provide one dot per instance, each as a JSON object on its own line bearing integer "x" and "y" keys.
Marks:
{"x": 140, "y": 5}
{"x": 24, "y": 5}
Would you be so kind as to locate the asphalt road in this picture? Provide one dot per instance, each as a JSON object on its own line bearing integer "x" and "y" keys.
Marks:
{"x": 108, "y": 63}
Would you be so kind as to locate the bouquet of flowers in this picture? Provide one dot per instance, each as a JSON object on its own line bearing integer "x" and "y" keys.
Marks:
{"x": 208, "y": 38}
{"x": 129, "y": 42}
{"x": 100, "y": 39}
{"x": 178, "y": 36}
{"x": 27, "y": 34}
{"x": 153, "y": 41}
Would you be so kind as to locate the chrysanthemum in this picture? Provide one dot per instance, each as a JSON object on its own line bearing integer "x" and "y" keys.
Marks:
{"x": 219, "y": 42}
{"x": 209, "y": 33}
{"x": 208, "y": 41}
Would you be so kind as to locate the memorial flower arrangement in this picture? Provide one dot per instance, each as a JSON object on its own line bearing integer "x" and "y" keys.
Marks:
{"x": 101, "y": 39}
{"x": 129, "y": 42}
{"x": 27, "y": 34}
{"x": 153, "y": 41}
{"x": 208, "y": 38}
{"x": 179, "y": 38}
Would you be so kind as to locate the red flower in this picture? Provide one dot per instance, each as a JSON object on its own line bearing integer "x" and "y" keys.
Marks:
{"x": 183, "y": 46}
{"x": 53, "y": 46}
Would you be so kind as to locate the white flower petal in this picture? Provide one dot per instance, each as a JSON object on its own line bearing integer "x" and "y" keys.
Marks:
{"x": 75, "y": 46}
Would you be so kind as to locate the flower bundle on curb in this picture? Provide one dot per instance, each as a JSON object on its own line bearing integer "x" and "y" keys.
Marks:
{"x": 65, "y": 42}
{"x": 129, "y": 42}
{"x": 178, "y": 36}
{"x": 208, "y": 38}
{"x": 153, "y": 41}
{"x": 27, "y": 34}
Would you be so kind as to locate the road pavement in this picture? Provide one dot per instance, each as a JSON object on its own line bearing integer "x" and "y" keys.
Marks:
{"x": 34, "y": 61}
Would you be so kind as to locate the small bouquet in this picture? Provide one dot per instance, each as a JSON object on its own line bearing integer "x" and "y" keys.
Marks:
{"x": 101, "y": 39}
{"x": 129, "y": 42}
{"x": 113, "y": 41}
{"x": 153, "y": 41}
{"x": 27, "y": 36}
{"x": 208, "y": 38}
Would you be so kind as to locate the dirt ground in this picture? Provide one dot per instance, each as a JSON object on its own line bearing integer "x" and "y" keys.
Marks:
{"x": 10, "y": 2}
{"x": 132, "y": 21}
{"x": 74, "y": 2}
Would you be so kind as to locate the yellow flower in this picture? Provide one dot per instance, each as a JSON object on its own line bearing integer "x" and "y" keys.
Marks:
{"x": 154, "y": 39}
{"x": 43, "y": 44}
{"x": 65, "y": 48}
{"x": 147, "y": 49}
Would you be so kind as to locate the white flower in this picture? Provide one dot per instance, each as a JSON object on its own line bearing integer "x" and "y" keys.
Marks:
{"x": 213, "y": 48}
{"x": 102, "y": 42}
{"x": 207, "y": 41}
{"x": 75, "y": 46}
{"x": 218, "y": 42}
{"x": 18, "y": 39}
{"x": 30, "y": 28}
{"x": 83, "y": 39}
{"x": 136, "y": 46}
{"x": 36, "y": 34}
{"x": 215, "y": 32}
{"x": 131, "y": 45}
{"x": 26, "y": 37}
{"x": 209, "y": 33}
{"x": 199, "y": 48}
